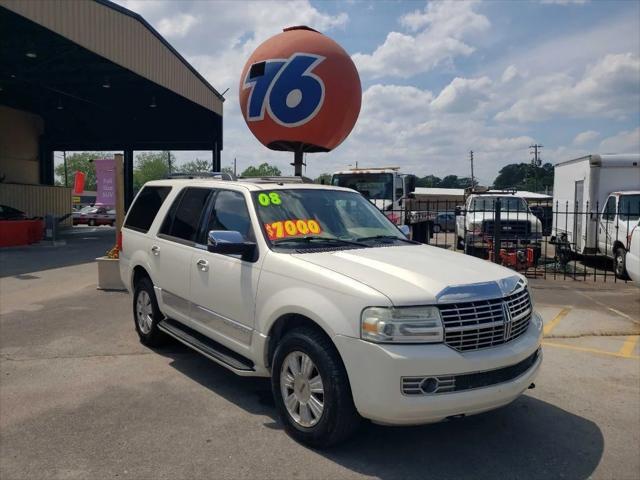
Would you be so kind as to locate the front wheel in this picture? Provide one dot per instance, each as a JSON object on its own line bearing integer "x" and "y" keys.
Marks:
{"x": 311, "y": 389}
{"x": 437, "y": 228}
{"x": 619, "y": 263}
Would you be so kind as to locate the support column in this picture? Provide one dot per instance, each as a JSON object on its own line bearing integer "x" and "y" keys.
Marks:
{"x": 128, "y": 178}
{"x": 46, "y": 163}
{"x": 215, "y": 160}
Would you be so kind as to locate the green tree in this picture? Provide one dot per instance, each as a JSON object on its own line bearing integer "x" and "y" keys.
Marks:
{"x": 83, "y": 162}
{"x": 524, "y": 176}
{"x": 323, "y": 178}
{"x": 151, "y": 166}
{"x": 195, "y": 166}
{"x": 430, "y": 181}
{"x": 262, "y": 170}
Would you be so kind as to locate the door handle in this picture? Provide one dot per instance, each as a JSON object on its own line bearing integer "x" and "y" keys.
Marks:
{"x": 202, "y": 265}
{"x": 155, "y": 250}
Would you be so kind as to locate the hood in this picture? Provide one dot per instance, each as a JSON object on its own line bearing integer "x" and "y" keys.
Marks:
{"x": 419, "y": 274}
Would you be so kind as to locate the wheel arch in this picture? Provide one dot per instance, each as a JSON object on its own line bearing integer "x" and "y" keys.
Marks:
{"x": 286, "y": 323}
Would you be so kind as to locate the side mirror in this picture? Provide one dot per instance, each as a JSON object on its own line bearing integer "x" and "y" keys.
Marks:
{"x": 410, "y": 183}
{"x": 229, "y": 242}
{"x": 405, "y": 230}
{"x": 458, "y": 211}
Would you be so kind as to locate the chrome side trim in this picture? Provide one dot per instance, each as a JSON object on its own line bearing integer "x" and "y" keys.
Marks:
{"x": 222, "y": 324}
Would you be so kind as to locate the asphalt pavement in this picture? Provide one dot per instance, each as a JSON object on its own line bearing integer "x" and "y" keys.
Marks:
{"x": 81, "y": 398}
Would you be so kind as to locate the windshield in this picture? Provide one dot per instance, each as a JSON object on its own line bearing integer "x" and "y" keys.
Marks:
{"x": 374, "y": 186}
{"x": 507, "y": 204}
{"x": 629, "y": 207}
{"x": 300, "y": 218}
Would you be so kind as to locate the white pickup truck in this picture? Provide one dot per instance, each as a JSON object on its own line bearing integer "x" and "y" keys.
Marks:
{"x": 475, "y": 224}
{"x": 314, "y": 287}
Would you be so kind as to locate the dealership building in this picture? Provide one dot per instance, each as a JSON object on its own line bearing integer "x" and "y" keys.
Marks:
{"x": 91, "y": 75}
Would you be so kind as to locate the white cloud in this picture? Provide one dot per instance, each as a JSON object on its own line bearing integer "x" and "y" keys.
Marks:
{"x": 564, "y": 2}
{"x": 177, "y": 26}
{"x": 607, "y": 89}
{"x": 463, "y": 95}
{"x": 585, "y": 137}
{"x": 623, "y": 142}
{"x": 510, "y": 73}
{"x": 441, "y": 30}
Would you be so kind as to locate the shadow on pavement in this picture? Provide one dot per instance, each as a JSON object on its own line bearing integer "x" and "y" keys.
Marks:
{"x": 529, "y": 439}
{"x": 83, "y": 245}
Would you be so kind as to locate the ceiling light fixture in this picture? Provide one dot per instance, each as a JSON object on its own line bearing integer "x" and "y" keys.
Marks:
{"x": 31, "y": 54}
{"x": 60, "y": 106}
{"x": 153, "y": 103}
{"x": 106, "y": 83}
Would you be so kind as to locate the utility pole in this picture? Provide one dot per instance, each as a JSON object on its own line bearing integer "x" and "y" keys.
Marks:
{"x": 169, "y": 161}
{"x": 535, "y": 163}
{"x": 66, "y": 175}
{"x": 473, "y": 180}
{"x": 234, "y": 166}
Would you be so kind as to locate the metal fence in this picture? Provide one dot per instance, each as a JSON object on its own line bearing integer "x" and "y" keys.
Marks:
{"x": 543, "y": 239}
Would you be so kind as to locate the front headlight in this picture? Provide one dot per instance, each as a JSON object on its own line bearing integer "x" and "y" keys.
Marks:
{"x": 402, "y": 325}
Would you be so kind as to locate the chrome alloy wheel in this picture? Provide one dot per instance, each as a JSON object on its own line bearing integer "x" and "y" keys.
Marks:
{"x": 144, "y": 312}
{"x": 302, "y": 389}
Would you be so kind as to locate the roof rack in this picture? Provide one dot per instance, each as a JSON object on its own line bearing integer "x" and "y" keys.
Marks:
{"x": 373, "y": 168}
{"x": 191, "y": 176}
{"x": 276, "y": 179}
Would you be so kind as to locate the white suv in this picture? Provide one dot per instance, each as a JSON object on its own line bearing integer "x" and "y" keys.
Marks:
{"x": 313, "y": 286}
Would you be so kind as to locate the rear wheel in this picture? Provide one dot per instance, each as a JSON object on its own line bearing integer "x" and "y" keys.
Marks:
{"x": 619, "y": 263}
{"x": 311, "y": 389}
{"x": 146, "y": 314}
{"x": 92, "y": 223}
{"x": 437, "y": 228}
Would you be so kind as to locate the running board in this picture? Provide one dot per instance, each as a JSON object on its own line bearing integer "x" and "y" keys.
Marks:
{"x": 207, "y": 347}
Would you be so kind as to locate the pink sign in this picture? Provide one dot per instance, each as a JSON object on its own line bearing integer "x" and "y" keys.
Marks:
{"x": 105, "y": 181}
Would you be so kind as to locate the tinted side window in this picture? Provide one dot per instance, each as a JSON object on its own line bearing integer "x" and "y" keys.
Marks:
{"x": 145, "y": 208}
{"x": 230, "y": 213}
{"x": 188, "y": 213}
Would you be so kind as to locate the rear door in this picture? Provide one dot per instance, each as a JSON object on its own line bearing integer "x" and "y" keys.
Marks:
{"x": 223, "y": 287}
{"x": 173, "y": 248}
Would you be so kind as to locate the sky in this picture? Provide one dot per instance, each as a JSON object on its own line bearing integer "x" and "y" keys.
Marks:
{"x": 439, "y": 78}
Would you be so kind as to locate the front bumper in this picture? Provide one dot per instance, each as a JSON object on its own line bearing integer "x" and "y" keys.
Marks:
{"x": 376, "y": 371}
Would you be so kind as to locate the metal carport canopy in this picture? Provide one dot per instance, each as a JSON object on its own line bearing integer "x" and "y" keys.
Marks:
{"x": 102, "y": 78}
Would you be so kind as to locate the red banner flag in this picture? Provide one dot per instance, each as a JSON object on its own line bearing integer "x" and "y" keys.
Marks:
{"x": 78, "y": 183}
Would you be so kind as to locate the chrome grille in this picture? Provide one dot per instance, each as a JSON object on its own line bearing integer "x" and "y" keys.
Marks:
{"x": 486, "y": 323}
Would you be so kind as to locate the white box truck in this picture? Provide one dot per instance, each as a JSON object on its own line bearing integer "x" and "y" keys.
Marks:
{"x": 596, "y": 202}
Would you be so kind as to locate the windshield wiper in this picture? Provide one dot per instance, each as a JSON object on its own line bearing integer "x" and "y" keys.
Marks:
{"x": 309, "y": 239}
{"x": 386, "y": 237}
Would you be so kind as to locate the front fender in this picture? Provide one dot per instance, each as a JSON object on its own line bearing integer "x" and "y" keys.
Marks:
{"x": 311, "y": 303}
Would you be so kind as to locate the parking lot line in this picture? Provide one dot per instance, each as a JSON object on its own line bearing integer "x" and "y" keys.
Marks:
{"x": 556, "y": 320}
{"x": 590, "y": 350}
{"x": 629, "y": 344}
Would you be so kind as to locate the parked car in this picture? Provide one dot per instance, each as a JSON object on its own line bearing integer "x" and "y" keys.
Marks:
{"x": 10, "y": 213}
{"x": 314, "y": 287}
{"x": 94, "y": 216}
{"x": 632, "y": 257}
{"x": 445, "y": 222}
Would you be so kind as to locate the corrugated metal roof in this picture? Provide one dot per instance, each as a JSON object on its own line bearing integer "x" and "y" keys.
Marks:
{"x": 124, "y": 38}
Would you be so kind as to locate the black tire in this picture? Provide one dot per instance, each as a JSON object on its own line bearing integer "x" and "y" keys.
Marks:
{"x": 339, "y": 418}
{"x": 460, "y": 244}
{"x": 437, "y": 228}
{"x": 154, "y": 337}
{"x": 619, "y": 263}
